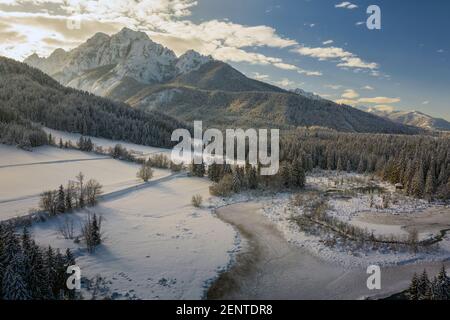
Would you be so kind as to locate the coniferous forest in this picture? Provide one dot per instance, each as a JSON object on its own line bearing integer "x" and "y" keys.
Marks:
{"x": 29, "y": 272}
{"x": 421, "y": 164}
{"x": 27, "y": 94}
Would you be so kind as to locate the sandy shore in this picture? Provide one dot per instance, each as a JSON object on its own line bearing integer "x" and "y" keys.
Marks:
{"x": 271, "y": 268}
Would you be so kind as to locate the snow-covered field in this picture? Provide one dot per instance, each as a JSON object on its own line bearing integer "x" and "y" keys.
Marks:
{"x": 157, "y": 246}
{"x": 24, "y": 175}
{"x": 106, "y": 143}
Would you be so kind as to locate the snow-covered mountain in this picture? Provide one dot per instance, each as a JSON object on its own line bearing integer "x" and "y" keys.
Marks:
{"x": 306, "y": 94}
{"x": 411, "y": 118}
{"x": 130, "y": 67}
{"x": 103, "y": 61}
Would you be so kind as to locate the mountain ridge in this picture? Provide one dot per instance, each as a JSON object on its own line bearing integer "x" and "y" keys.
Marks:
{"x": 130, "y": 67}
{"x": 412, "y": 118}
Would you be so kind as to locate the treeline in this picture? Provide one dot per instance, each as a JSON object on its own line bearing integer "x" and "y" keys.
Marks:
{"x": 38, "y": 98}
{"x": 422, "y": 288}
{"x": 77, "y": 194}
{"x": 29, "y": 272}
{"x": 230, "y": 179}
{"x": 421, "y": 164}
{"x": 16, "y": 131}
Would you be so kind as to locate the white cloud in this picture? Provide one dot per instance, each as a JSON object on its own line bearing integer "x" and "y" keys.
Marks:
{"x": 163, "y": 20}
{"x": 356, "y": 62}
{"x": 346, "y": 5}
{"x": 349, "y": 102}
{"x": 287, "y": 84}
{"x": 379, "y": 100}
{"x": 167, "y": 22}
{"x": 346, "y": 58}
{"x": 367, "y": 88}
{"x": 327, "y": 42}
{"x": 441, "y": 51}
{"x": 426, "y": 102}
{"x": 309, "y": 73}
{"x": 259, "y": 76}
{"x": 384, "y": 107}
{"x": 350, "y": 94}
{"x": 333, "y": 86}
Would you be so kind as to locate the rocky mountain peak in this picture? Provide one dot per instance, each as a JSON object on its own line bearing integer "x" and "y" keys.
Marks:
{"x": 191, "y": 60}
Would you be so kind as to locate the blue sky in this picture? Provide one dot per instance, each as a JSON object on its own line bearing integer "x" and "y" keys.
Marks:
{"x": 322, "y": 46}
{"x": 412, "y": 48}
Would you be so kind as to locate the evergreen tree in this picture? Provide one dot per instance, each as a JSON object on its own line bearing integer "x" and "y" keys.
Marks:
{"x": 413, "y": 291}
{"x": 442, "y": 285}
{"x": 298, "y": 174}
{"x": 214, "y": 172}
{"x": 50, "y": 272}
{"x": 96, "y": 236}
{"x": 252, "y": 178}
{"x": 61, "y": 206}
{"x": 14, "y": 286}
{"x": 69, "y": 197}
{"x": 340, "y": 165}
{"x": 285, "y": 174}
{"x": 237, "y": 183}
{"x": 424, "y": 286}
{"x": 430, "y": 184}
{"x": 349, "y": 166}
{"x": 417, "y": 187}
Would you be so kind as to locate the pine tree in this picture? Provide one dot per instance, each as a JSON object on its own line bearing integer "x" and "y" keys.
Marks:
{"x": 430, "y": 184}
{"x": 214, "y": 172}
{"x": 236, "y": 181}
{"x": 298, "y": 174}
{"x": 442, "y": 285}
{"x": 61, "y": 206}
{"x": 14, "y": 286}
{"x": 413, "y": 291}
{"x": 252, "y": 179}
{"x": 50, "y": 272}
{"x": 69, "y": 197}
{"x": 361, "y": 166}
{"x": 96, "y": 236}
{"x": 417, "y": 187}
{"x": 340, "y": 165}
{"x": 285, "y": 174}
{"x": 424, "y": 286}
{"x": 349, "y": 166}
{"x": 36, "y": 275}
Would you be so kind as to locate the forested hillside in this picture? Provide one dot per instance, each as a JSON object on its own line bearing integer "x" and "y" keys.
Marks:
{"x": 130, "y": 67}
{"x": 420, "y": 163}
{"x": 27, "y": 94}
{"x": 17, "y": 131}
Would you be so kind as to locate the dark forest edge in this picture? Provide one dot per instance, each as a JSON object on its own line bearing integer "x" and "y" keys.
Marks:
{"x": 29, "y": 96}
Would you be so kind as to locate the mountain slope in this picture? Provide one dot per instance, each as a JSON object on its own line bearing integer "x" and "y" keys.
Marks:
{"x": 411, "y": 118}
{"x": 132, "y": 68}
{"x": 36, "y": 97}
{"x": 259, "y": 109}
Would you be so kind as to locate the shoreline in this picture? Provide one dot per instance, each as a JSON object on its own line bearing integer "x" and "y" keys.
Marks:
{"x": 271, "y": 268}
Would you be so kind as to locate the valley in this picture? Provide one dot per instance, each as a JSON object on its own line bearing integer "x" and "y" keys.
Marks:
{"x": 336, "y": 182}
{"x": 245, "y": 246}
